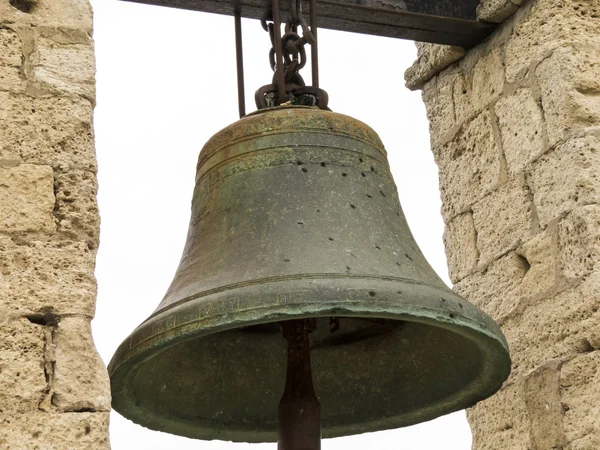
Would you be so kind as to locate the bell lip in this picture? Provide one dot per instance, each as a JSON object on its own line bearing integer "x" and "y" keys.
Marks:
{"x": 466, "y": 321}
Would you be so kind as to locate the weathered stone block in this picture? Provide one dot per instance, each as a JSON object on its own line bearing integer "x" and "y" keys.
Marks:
{"x": 554, "y": 328}
{"x": 566, "y": 178}
{"x": 431, "y": 60}
{"x": 460, "y": 240}
{"x": 469, "y": 166}
{"x": 76, "y": 206}
{"x": 55, "y": 131}
{"x": 21, "y": 366}
{"x": 80, "y": 378}
{"x": 541, "y": 261}
{"x": 47, "y": 431}
{"x": 502, "y": 219}
{"x": 522, "y": 129}
{"x": 488, "y": 79}
{"x": 26, "y": 199}
{"x": 67, "y": 14}
{"x": 579, "y": 241}
{"x": 11, "y": 60}
{"x": 579, "y": 381}
{"x": 440, "y": 109}
{"x": 541, "y": 390}
{"x": 543, "y": 25}
{"x": 497, "y": 11}
{"x": 39, "y": 276}
{"x": 501, "y": 420}
{"x": 66, "y": 67}
{"x": 570, "y": 83}
{"x": 496, "y": 290}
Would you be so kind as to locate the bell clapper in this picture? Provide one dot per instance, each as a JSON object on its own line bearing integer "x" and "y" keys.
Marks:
{"x": 299, "y": 418}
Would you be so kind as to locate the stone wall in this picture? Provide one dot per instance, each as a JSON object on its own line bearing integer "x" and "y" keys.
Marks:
{"x": 515, "y": 130}
{"x": 54, "y": 388}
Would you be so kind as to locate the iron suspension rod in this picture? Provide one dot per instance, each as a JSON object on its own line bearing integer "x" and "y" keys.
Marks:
{"x": 239, "y": 55}
{"x": 314, "y": 49}
{"x": 299, "y": 418}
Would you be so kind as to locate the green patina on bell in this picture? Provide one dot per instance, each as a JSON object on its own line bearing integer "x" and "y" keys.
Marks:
{"x": 295, "y": 215}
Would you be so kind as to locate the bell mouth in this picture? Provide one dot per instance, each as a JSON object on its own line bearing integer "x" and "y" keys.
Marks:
{"x": 387, "y": 353}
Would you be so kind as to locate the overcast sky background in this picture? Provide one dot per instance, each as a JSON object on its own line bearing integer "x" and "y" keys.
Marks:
{"x": 165, "y": 84}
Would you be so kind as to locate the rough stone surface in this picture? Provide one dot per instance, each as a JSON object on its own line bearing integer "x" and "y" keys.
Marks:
{"x": 50, "y": 431}
{"x": 501, "y": 421}
{"x": 46, "y": 275}
{"x": 541, "y": 391}
{"x": 579, "y": 381}
{"x": 22, "y": 375}
{"x": 544, "y": 25}
{"x": 54, "y": 391}
{"x": 502, "y": 219}
{"x": 515, "y": 131}
{"x": 469, "y": 166}
{"x": 497, "y": 11}
{"x": 540, "y": 259}
{"x": 566, "y": 178}
{"x": 570, "y": 85}
{"x": 579, "y": 242}
{"x": 554, "y": 328}
{"x": 80, "y": 380}
{"x": 460, "y": 240}
{"x": 26, "y": 199}
{"x": 55, "y": 131}
{"x": 11, "y": 60}
{"x": 496, "y": 289}
{"x": 521, "y": 124}
{"x": 76, "y": 206}
{"x": 431, "y": 59}
{"x": 65, "y": 66}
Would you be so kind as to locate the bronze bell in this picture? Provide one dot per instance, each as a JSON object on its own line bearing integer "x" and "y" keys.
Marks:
{"x": 295, "y": 215}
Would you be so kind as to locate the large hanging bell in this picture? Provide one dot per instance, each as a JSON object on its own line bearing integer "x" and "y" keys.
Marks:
{"x": 295, "y": 215}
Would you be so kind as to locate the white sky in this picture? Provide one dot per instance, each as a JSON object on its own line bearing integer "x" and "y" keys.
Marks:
{"x": 166, "y": 83}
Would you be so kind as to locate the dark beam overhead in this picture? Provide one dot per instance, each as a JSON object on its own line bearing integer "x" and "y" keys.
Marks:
{"x": 452, "y": 22}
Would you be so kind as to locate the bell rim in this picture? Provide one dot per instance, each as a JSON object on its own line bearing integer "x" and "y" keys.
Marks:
{"x": 466, "y": 321}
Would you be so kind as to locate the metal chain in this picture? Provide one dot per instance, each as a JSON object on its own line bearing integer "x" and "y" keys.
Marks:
{"x": 294, "y": 55}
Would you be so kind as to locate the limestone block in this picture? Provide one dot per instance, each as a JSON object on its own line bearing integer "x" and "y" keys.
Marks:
{"x": 570, "y": 84}
{"x": 11, "y": 60}
{"x": 501, "y": 419}
{"x": 431, "y": 60}
{"x": 543, "y": 25}
{"x": 497, "y": 11}
{"x": 469, "y": 166}
{"x": 56, "y": 131}
{"x": 556, "y": 327}
{"x": 80, "y": 378}
{"x": 541, "y": 261}
{"x": 522, "y": 129}
{"x": 76, "y": 206}
{"x": 68, "y": 14}
{"x": 38, "y": 276}
{"x": 488, "y": 79}
{"x": 21, "y": 365}
{"x": 440, "y": 109}
{"x": 26, "y": 199}
{"x": 579, "y": 381}
{"x": 541, "y": 391}
{"x": 460, "y": 240}
{"x": 65, "y": 67}
{"x": 47, "y": 431}
{"x": 579, "y": 241}
{"x": 502, "y": 219}
{"x": 497, "y": 289}
{"x": 566, "y": 178}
